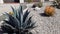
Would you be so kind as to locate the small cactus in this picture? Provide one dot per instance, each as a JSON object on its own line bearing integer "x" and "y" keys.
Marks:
{"x": 11, "y": 13}
{"x": 49, "y": 10}
{"x": 40, "y": 4}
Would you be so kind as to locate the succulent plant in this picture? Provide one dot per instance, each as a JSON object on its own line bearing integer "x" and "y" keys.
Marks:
{"x": 56, "y": 3}
{"x": 11, "y": 13}
{"x": 40, "y": 4}
{"x": 49, "y": 10}
{"x": 18, "y": 22}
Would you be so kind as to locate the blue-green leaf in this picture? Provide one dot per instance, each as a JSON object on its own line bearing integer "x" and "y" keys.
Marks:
{"x": 13, "y": 20}
{"x": 25, "y": 15}
{"x": 14, "y": 11}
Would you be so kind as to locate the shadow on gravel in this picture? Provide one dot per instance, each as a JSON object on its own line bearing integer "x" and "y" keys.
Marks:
{"x": 44, "y": 15}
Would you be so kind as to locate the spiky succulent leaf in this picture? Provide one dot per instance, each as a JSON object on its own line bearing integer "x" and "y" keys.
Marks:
{"x": 25, "y": 15}
{"x": 14, "y": 11}
{"x": 12, "y": 20}
{"x": 20, "y": 12}
{"x": 8, "y": 28}
{"x": 28, "y": 24}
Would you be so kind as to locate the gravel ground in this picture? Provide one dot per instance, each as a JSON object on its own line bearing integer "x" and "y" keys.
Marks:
{"x": 45, "y": 24}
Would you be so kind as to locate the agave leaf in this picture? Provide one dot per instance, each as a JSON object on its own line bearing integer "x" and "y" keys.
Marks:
{"x": 17, "y": 15}
{"x": 14, "y": 11}
{"x": 29, "y": 24}
{"x": 20, "y": 12}
{"x": 13, "y": 20}
{"x": 25, "y": 15}
{"x": 26, "y": 20}
{"x": 7, "y": 28}
{"x": 26, "y": 23}
{"x": 10, "y": 23}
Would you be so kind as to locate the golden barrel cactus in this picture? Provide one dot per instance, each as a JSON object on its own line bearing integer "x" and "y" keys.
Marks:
{"x": 49, "y": 10}
{"x": 11, "y": 13}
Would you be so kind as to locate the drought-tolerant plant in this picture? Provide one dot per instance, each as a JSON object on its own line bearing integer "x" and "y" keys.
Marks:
{"x": 49, "y": 10}
{"x": 40, "y": 4}
{"x": 57, "y": 3}
{"x": 11, "y": 13}
{"x": 18, "y": 22}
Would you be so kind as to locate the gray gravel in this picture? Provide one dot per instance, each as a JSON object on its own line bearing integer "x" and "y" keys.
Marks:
{"x": 45, "y": 24}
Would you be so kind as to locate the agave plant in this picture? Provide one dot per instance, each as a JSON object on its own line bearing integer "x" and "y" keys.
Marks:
{"x": 18, "y": 22}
